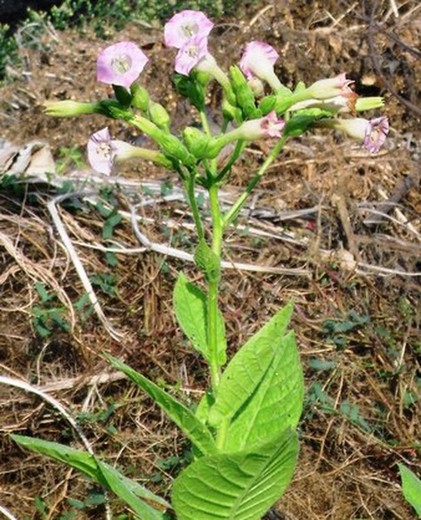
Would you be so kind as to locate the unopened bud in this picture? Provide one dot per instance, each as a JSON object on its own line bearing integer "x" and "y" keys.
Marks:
{"x": 243, "y": 93}
{"x": 140, "y": 97}
{"x": 159, "y": 115}
{"x": 196, "y": 141}
{"x": 70, "y": 108}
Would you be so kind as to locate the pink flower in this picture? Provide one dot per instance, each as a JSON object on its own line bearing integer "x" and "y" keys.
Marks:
{"x": 103, "y": 151}
{"x": 268, "y": 126}
{"x": 120, "y": 64}
{"x": 190, "y": 54}
{"x": 258, "y": 60}
{"x": 331, "y": 87}
{"x": 375, "y": 134}
{"x": 371, "y": 132}
{"x": 185, "y": 25}
{"x": 337, "y": 104}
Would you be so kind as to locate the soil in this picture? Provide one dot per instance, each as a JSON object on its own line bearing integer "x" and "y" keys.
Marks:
{"x": 318, "y": 231}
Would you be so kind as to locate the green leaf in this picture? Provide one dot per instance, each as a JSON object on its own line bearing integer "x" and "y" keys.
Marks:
{"x": 184, "y": 418}
{"x": 128, "y": 490}
{"x": 191, "y": 313}
{"x": 275, "y": 405}
{"x": 237, "y": 486}
{"x": 248, "y": 367}
{"x": 411, "y": 486}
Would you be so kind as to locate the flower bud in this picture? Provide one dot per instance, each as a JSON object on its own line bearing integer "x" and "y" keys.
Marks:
{"x": 159, "y": 115}
{"x": 70, "y": 108}
{"x": 230, "y": 112}
{"x": 140, "y": 97}
{"x": 243, "y": 93}
{"x": 196, "y": 141}
{"x": 172, "y": 147}
{"x": 368, "y": 103}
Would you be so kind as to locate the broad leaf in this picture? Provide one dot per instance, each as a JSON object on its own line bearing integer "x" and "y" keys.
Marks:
{"x": 275, "y": 405}
{"x": 411, "y": 486}
{"x": 128, "y": 490}
{"x": 248, "y": 367}
{"x": 191, "y": 312}
{"x": 184, "y": 418}
{"x": 237, "y": 486}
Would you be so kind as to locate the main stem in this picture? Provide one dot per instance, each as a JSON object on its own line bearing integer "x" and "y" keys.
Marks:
{"x": 217, "y": 231}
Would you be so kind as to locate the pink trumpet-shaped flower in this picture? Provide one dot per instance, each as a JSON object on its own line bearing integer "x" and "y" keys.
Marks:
{"x": 258, "y": 60}
{"x": 268, "y": 126}
{"x": 372, "y": 133}
{"x": 103, "y": 151}
{"x": 191, "y": 53}
{"x": 120, "y": 64}
{"x": 185, "y": 25}
{"x": 375, "y": 134}
{"x": 331, "y": 87}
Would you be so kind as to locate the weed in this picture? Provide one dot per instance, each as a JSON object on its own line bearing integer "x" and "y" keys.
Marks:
{"x": 336, "y": 330}
{"x": 68, "y": 158}
{"x": 317, "y": 398}
{"x": 49, "y": 315}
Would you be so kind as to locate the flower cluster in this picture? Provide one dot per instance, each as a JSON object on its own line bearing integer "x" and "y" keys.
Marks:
{"x": 328, "y": 102}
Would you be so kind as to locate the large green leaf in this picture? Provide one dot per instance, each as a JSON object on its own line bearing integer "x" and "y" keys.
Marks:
{"x": 133, "y": 494}
{"x": 237, "y": 486}
{"x": 191, "y": 312}
{"x": 184, "y": 418}
{"x": 275, "y": 405}
{"x": 248, "y": 367}
{"x": 411, "y": 486}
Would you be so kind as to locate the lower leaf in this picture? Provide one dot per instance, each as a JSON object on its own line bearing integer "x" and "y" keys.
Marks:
{"x": 236, "y": 486}
{"x": 133, "y": 494}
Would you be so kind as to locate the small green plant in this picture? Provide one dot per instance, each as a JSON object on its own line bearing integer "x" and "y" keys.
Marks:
{"x": 336, "y": 330}
{"x": 49, "y": 315}
{"x": 69, "y": 157}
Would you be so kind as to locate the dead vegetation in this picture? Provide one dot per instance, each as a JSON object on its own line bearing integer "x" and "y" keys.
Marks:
{"x": 333, "y": 228}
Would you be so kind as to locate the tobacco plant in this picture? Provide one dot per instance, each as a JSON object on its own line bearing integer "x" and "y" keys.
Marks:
{"x": 244, "y": 429}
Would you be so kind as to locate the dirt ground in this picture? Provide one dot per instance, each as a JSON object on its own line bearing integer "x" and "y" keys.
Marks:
{"x": 332, "y": 227}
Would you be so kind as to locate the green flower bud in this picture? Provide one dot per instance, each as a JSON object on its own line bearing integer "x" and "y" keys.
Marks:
{"x": 140, "y": 97}
{"x": 243, "y": 93}
{"x": 368, "y": 103}
{"x": 71, "y": 108}
{"x": 267, "y": 104}
{"x": 173, "y": 148}
{"x": 159, "y": 115}
{"x": 230, "y": 112}
{"x": 196, "y": 141}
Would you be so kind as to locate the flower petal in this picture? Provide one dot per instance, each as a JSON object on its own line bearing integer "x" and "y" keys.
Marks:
{"x": 120, "y": 64}
{"x": 185, "y": 25}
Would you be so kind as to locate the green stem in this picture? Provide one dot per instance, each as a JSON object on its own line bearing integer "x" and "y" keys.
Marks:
{"x": 233, "y": 213}
{"x": 189, "y": 184}
{"x": 217, "y": 232}
{"x": 239, "y": 147}
{"x": 206, "y": 128}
